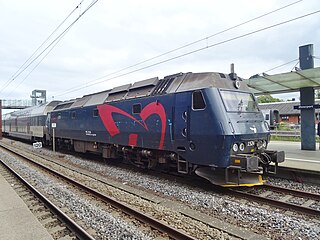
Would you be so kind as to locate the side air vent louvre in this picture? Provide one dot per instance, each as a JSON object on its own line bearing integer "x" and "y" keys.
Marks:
{"x": 118, "y": 93}
{"x": 63, "y": 106}
{"x": 222, "y": 75}
{"x": 162, "y": 86}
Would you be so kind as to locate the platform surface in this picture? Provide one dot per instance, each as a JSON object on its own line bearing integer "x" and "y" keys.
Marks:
{"x": 295, "y": 157}
{"x": 16, "y": 220}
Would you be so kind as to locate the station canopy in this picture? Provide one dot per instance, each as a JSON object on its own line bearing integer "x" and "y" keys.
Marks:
{"x": 284, "y": 82}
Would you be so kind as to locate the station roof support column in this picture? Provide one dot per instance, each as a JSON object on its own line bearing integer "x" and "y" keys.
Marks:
{"x": 308, "y": 137}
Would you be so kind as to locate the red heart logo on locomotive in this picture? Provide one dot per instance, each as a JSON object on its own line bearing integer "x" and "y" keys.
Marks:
{"x": 106, "y": 111}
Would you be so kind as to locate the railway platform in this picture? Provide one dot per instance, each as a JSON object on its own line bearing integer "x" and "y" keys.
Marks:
{"x": 295, "y": 157}
{"x": 16, "y": 220}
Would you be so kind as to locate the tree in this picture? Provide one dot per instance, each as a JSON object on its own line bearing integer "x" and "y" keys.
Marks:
{"x": 317, "y": 93}
{"x": 268, "y": 99}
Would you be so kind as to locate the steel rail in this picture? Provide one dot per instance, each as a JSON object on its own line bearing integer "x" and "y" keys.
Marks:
{"x": 73, "y": 226}
{"x": 297, "y": 175}
{"x": 278, "y": 203}
{"x": 292, "y": 191}
{"x": 173, "y": 233}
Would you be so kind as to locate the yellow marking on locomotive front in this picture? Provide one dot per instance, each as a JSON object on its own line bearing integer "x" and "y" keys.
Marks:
{"x": 260, "y": 182}
{"x": 237, "y": 161}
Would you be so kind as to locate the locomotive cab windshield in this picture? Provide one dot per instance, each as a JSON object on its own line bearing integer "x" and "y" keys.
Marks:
{"x": 235, "y": 101}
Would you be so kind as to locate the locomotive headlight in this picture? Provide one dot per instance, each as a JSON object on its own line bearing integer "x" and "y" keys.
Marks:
{"x": 241, "y": 147}
{"x": 235, "y": 147}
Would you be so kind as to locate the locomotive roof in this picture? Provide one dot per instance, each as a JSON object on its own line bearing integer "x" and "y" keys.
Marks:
{"x": 180, "y": 82}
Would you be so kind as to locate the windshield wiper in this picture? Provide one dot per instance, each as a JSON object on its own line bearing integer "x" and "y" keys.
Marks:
{"x": 240, "y": 105}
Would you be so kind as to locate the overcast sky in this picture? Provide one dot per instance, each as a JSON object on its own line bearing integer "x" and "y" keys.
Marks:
{"x": 113, "y": 35}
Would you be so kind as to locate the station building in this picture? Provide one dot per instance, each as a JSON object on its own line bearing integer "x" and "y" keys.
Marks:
{"x": 287, "y": 112}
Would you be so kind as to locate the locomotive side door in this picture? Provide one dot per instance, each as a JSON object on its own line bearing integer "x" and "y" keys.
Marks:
{"x": 181, "y": 120}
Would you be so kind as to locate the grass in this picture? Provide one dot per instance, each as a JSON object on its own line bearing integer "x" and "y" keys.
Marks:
{"x": 286, "y": 127}
{"x": 290, "y": 139}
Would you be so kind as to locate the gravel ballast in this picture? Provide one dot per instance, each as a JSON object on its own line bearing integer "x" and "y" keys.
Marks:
{"x": 273, "y": 223}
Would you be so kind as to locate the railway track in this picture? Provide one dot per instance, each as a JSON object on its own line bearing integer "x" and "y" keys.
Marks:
{"x": 297, "y": 175}
{"x": 304, "y": 202}
{"x": 95, "y": 171}
{"x": 57, "y": 223}
{"x": 269, "y": 194}
{"x": 153, "y": 223}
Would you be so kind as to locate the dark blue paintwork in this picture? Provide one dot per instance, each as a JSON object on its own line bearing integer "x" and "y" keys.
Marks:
{"x": 207, "y": 140}
{"x": 203, "y": 123}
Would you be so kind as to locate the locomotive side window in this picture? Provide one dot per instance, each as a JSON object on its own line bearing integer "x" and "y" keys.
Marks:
{"x": 198, "y": 102}
{"x": 95, "y": 113}
{"x": 136, "y": 108}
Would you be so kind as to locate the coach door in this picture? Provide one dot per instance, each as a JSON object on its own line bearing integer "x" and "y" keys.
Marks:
{"x": 16, "y": 124}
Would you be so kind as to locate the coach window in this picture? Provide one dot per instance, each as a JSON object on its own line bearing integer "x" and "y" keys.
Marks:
{"x": 136, "y": 108}
{"x": 73, "y": 115}
{"x": 198, "y": 102}
{"x": 59, "y": 115}
{"x": 95, "y": 113}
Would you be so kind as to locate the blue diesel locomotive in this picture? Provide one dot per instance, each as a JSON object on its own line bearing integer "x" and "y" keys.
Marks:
{"x": 203, "y": 123}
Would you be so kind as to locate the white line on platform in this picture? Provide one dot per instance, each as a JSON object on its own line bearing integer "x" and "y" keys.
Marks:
{"x": 303, "y": 160}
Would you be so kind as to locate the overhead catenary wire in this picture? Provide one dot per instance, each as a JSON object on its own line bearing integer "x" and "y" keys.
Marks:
{"x": 281, "y": 65}
{"x": 194, "y": 51}
{"x": 17, "y": 73}
{"x": 20, "y": 70}
{"x": 189, "y": 44}
{"x": 294, "y": 67}
{"x": 52, "y": 47}
{"x": 29, "y": 62}
{"x": 284, "y": 64}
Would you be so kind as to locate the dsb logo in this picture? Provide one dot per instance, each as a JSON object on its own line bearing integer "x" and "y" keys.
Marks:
{"x": 37, "y": 145}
